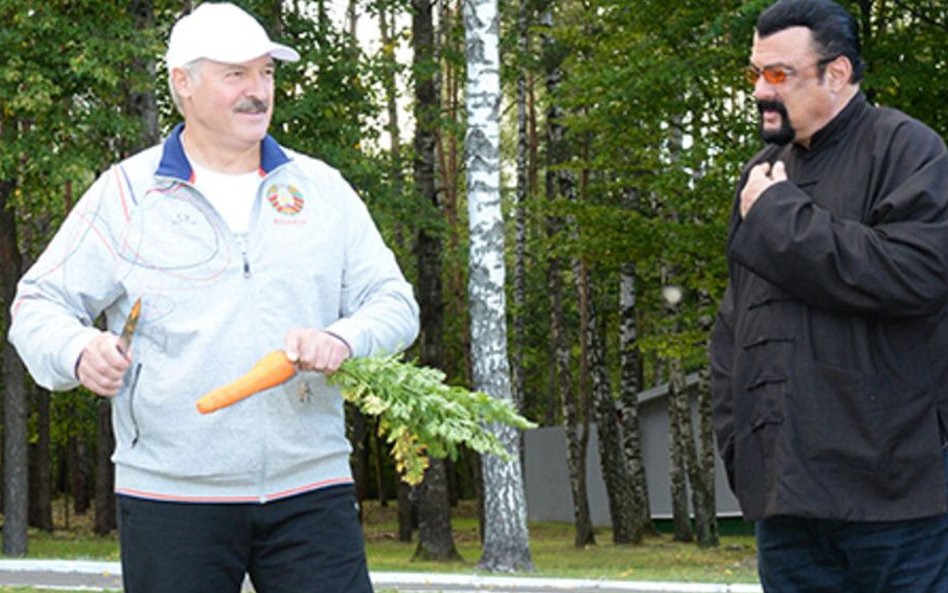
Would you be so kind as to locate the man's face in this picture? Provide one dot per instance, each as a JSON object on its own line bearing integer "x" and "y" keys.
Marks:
{"x": 229, "y": 105}
{"x": 795, "y": 108}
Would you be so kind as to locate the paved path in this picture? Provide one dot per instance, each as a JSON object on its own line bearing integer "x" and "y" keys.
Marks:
{"x": 81, "y": 575}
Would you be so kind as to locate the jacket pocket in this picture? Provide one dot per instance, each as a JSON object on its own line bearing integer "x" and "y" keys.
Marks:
{"x": 133, "y": 387}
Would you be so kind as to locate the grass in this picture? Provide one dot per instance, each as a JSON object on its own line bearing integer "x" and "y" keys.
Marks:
{"x": 658, "y": 558}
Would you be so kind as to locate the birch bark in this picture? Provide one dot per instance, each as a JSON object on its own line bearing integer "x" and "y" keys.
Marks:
{"x": 506, "y": 542}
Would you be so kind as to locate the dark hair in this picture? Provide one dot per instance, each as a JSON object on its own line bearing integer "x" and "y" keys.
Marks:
{"x": 835, "y": 32}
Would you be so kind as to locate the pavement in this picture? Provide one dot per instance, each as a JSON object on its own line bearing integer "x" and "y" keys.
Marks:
{"x": 87, "y": 575}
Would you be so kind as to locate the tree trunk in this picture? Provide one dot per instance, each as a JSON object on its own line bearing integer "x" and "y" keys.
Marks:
{"x": 615, "y": 471}
{"x": 506, "y": 542}
{"x": 435, "y": 535}
{"x": 15, "y": 404}
{"x": 380, "y": 457}
{"x": 702, "y": 520}
{"x": 322, "y": 18}
{"x": 708, "y": 534}
{"x": 390, "y": 87}
{"x": 576, "y": 434}
{"x": 449, "y": 174}
{"x": 41, "y": 488}
{"x": 142, "y": 103}
{"x": 406, "y": 511}
{"x": 681, "y": 517}
{"x": 352, "y": 18}
{"x": 77, "y": 456}
{"x": 105, "y": 519}
{"x": 574, "y": 423}
{"x": 630, "y": 383}
{"x": 518, "y": 343}
{"x": 359, "y": 437}
{"x": 477, "y": 471}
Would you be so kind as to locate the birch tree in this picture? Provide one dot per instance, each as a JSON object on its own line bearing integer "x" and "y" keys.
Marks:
{"x": 506, "y": 542}
{"x": 629, "y": 386}
{"x": 575, "y": 418}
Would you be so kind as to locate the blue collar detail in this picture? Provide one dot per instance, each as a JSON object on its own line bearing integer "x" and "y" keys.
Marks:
{"x": 175, "y": 164}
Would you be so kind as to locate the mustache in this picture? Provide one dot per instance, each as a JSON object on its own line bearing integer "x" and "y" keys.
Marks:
{"x": 252, "y": 105}
{"x": 767, "y": 105}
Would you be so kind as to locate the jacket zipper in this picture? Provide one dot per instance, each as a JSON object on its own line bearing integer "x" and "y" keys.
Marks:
{"x": 241, "y": 239}
{"x": 242, "y": 243}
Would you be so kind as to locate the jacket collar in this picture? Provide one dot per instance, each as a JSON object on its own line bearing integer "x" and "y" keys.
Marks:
{"x": 834, "y": 130}
{"x": 175, "y": 164}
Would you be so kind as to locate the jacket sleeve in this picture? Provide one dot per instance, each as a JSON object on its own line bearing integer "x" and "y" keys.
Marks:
{"x": 895, "y": 262}
{"x": 722, "y": 357}
{"x": 66, "y": 289}
{"x": 379, "y": 311}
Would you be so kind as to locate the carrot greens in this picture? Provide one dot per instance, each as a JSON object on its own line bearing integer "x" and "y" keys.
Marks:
{"x": 421, "y": 414}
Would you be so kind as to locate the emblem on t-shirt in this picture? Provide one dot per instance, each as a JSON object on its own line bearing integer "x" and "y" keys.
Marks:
{"x": 285, "y": 199}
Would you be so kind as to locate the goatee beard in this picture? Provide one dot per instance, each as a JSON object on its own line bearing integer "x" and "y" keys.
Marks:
{"x": 781, "y": 136}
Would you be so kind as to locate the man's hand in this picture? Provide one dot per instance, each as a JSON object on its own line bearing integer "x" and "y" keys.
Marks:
{"x": 761, "y": 177}
{"x": 316, "y": 350}
{"x": 102, "y": 365}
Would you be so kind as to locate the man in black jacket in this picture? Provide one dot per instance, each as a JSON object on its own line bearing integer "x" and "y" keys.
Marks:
{"x": 830, "y": 351}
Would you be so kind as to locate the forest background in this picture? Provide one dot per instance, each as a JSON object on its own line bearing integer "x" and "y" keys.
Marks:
{"x": 625, "y": 124}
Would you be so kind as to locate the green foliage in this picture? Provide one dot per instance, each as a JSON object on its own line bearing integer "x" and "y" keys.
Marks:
{"x": 65, "y": 74}
{"x": 656, "y": 129}
{"x": 421, "y": 414}
{"x": 905, "y": 45}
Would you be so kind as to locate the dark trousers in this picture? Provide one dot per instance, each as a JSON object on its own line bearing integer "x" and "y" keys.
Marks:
{"x": 303, "y": 544}
{"x": 827, "y": 556}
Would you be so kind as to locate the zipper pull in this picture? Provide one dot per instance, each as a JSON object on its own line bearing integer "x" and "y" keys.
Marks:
{"x": 242, "y": 243}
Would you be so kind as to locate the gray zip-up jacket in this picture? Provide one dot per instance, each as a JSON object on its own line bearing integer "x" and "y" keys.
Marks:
{"x": 213, "y": 304}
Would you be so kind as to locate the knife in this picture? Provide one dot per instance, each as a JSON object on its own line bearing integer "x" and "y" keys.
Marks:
{"x": 131, "y": 322}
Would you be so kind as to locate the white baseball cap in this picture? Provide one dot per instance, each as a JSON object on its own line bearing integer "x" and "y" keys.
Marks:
{"x": 221, "y": 32}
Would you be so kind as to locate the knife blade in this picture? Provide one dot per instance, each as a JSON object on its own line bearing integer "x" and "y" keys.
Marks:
{"x": 131, "y": 322}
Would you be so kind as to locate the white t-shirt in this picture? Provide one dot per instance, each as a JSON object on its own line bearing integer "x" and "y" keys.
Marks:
{"x": 232, "y": 195}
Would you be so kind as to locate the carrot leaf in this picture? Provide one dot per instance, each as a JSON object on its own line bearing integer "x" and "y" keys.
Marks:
{"x": 421, "y": 415}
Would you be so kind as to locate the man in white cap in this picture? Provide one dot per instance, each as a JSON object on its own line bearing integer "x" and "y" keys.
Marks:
{"x": 236, "y": 246}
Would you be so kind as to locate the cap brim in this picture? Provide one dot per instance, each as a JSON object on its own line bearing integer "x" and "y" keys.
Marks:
{"x": 284, "y": 53}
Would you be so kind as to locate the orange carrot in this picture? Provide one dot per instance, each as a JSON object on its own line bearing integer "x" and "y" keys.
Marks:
{"x": 270, "y": 371}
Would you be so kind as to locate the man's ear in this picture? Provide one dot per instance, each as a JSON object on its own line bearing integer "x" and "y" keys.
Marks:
{"x": 839, "y": 72}
{"x": 182, "y": 82}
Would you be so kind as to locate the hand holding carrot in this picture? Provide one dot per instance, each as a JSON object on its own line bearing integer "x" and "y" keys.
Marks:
{"x": 316, "y": 350}
{"x": 306, "y": 349}
{"x": 270, "y": 371}
{"x": 423, "y": 415}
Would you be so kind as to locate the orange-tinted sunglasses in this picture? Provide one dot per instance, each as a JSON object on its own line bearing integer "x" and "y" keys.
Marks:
{"x": 777, "y": 74}
{"x": 772, "y": 74}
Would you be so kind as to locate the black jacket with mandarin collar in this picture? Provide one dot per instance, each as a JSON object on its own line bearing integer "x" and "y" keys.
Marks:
{"x": 830, "y": 350}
